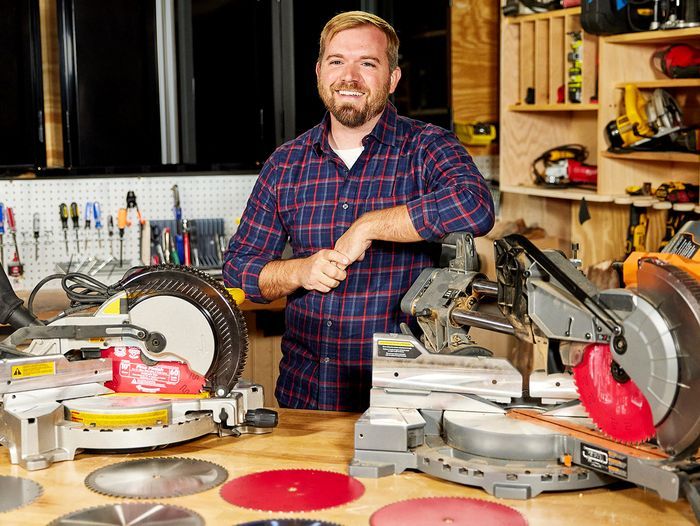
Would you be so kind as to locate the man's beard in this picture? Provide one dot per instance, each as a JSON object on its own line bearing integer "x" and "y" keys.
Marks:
{"x": 350, "y": 115}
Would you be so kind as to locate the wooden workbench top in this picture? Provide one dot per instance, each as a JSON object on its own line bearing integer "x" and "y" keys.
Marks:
{"x": 319, "y": 440}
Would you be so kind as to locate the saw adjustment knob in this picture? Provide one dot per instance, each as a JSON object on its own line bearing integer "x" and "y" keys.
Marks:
{"x": 261, "y": 417}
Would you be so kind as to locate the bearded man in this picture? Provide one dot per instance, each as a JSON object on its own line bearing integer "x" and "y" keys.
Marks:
{"x": 358, "y": 198}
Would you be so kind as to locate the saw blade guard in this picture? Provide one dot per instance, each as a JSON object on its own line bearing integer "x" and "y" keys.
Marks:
{"x": 196, "y": 316}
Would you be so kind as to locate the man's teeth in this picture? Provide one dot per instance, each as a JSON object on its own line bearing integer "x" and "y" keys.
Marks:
{"x": 350, "y": 93}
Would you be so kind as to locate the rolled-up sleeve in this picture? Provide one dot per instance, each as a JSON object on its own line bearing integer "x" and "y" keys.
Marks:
{"x": 457, "y": 198}
{"x": 260, "y": 238}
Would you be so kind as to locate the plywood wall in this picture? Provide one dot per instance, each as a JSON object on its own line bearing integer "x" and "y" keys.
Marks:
{"x": 475, "y": 57}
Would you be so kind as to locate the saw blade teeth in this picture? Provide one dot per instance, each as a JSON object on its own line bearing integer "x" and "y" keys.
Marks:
{"x": 207, "y": 482}
{"x": 227, "y": 320}
{"x": 30, "y": 491}
{"x": 192, "y": 518}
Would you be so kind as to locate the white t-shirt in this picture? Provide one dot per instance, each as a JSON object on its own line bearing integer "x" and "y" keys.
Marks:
{"x": 350, "y": 155}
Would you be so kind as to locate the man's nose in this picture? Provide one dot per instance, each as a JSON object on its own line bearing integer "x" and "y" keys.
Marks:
{"x": 351, "y": 73}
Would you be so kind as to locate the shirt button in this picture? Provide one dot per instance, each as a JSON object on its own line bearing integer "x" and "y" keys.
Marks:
{"x": 345, "y": 206}
{"x": 326, "y": 359}
{"x": 329, "y": 323}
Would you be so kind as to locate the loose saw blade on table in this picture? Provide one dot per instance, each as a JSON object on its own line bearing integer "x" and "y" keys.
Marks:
{"x": 154, "y": 478}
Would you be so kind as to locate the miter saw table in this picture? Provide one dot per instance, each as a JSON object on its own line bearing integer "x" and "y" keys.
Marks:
{"x": 150, "y": 361}
{"x": 618, "y": 403}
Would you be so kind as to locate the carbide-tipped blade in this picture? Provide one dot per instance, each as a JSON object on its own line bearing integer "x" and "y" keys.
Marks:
{"x": 132, "y": 514}
{"x": 16, "y": 492}
{"x": 615, "y": 405}
{"x": 154, "y": 478}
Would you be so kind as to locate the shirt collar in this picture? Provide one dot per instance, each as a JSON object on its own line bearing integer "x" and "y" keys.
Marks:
{"x": 384, "y": 131}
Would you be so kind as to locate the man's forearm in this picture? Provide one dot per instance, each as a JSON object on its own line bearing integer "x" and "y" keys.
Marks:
{"x": 390, "y": 224}
{"x": 278, "y": 279}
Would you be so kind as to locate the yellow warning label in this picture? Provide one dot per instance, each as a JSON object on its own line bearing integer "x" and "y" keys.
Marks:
{"x": 31, "y": 370}
{"x": 148, "y": 418}
{"x": 395, "y": 343}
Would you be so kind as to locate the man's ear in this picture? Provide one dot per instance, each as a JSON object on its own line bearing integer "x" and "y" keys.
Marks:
{"x": 318, "y": 69}
{"x": 394, "y": 78}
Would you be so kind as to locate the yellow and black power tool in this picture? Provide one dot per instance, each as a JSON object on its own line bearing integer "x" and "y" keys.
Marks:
{"x": 643, "y": 119}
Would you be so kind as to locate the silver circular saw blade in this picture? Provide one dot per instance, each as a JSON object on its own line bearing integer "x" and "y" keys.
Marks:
{"x": 213, "y": 301}
{"x": 155, "y": 478}
{"x": 131, "y": 514}
{"x": 288, "y": 522}
{"x": 676, "y": 295}
{"x": 16, "y": 492}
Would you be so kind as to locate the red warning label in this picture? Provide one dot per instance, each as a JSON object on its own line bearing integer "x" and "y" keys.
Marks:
{"x": 131, "y": 375}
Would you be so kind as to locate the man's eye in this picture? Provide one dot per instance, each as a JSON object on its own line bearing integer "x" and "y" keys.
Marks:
{"x": 334, "y": 62}
{"x": 369, "y": 64}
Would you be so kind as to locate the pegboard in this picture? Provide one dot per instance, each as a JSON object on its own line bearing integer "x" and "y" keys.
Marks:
{"x": 488, "y": 166}
{"x": 201, "y": 196}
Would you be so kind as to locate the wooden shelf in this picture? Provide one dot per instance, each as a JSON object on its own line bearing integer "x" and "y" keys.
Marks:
{"x": 676, "y": 157}
{"x": 559, "y": 13}
{"x": 572, "y": 194}
{"x": 553, "y": 107}
{"x": 662, "y": 83}
{"x": 668, "y": 36}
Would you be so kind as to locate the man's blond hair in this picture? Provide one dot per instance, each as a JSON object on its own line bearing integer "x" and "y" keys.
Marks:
{"x": 352, "y": 19}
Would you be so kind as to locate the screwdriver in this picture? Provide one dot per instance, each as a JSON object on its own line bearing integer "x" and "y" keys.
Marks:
{"x": 88, "y": 220}
{"x": 75, "y": 217}
{"x": 36, "y": 228}
{"x": 122, "y": 223}
{"x": 131, "y": 203}
{"x": 2, "y": 233}
{"x": 97, "y": 214}
{"x": 110, "y": 231}
{"x": 12, "y": 228}
{"x": 63, "y": 211}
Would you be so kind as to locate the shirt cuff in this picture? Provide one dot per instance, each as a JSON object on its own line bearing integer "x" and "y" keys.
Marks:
{"x": 248, "y": 278}
{"x": 425, "y": 218}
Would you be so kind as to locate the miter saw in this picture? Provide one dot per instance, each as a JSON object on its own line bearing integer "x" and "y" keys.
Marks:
{"x": 620, "y": 399}
{"x": 157, "y": 362}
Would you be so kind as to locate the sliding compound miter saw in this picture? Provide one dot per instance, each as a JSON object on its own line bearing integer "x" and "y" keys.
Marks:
{"x": 620, "y": 399}
{"x": 157, "y": 361}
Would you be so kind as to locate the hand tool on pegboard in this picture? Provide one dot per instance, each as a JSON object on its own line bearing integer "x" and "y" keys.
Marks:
{"x": 97, "y": 211}
{"x": 122, "y": 223}
{"x": 36, "y": 231}
{"x": 75, "y": 218}
{"x": 63, "y": 214}
{"x": 89, "y": 212}
{"x": 132, "y": 205}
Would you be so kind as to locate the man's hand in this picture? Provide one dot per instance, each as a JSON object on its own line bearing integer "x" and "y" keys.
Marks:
{"x": 354, "y": 242}
{"x": 323, "y": 271}
{"x": 390, "y": 224}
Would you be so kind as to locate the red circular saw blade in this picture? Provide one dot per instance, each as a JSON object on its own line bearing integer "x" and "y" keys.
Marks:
{"x": 291, "y": 490}
{"x": 439, "y": 511}
{"x": 620, "y": 410}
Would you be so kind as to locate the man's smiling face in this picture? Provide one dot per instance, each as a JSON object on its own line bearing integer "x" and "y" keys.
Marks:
{"x": 354, "y": 80}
